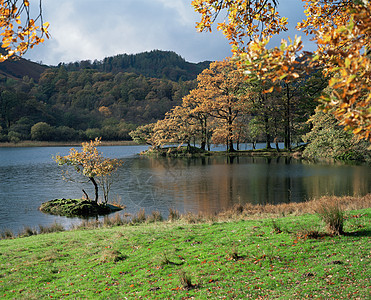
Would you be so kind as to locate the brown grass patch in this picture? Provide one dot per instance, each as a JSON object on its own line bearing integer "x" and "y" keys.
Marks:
{"x": 109, "y": 255}
{"x": 252, "y": 211}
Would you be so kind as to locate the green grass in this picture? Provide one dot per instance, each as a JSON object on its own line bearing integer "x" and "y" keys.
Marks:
{"x": 175, "y": 260}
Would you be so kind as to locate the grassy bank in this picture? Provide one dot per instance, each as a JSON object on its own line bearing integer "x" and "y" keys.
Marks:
{"x": 248, "y": 252}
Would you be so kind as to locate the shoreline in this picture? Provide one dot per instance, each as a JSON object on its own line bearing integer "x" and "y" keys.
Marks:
{"x": 235, "y": 213}
{"x": 62, "y": 144}
{"x": 183, "y": 152}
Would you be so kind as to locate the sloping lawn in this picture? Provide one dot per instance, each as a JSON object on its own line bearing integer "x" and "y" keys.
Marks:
{"x": 285, "y": 258}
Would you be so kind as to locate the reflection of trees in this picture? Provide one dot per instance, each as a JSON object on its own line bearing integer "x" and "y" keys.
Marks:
{"x": 210, "y": 184}
{"x": 336, "y": 180}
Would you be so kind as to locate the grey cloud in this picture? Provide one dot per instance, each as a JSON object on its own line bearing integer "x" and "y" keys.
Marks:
{"x": 94, "y": 29}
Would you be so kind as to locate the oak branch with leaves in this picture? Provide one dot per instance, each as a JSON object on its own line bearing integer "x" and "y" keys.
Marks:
{"x": 19, "y": 30}
{"x": 341, "y": 31}
{"x": 90, "y": 163}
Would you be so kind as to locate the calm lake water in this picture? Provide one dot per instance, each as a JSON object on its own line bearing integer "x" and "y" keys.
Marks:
{"x": 29, "y": 177}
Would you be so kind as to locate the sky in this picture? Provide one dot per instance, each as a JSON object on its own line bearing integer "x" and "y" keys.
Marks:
{"x": 95, "y": 29}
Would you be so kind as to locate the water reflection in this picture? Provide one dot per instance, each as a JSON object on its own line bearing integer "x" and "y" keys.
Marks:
{"x": 29, "y": 177}
{"x": 210, "y": 184}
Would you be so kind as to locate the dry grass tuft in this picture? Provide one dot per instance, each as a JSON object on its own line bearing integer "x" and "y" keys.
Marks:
{"x": 6, "y": 234}
{"x": 185, "y": 280}
{"x": 116, "y": 220}
{"x": 192, "y": 218}
{"x": 173, "y": 215}
{"x": 140, "y": 217}
{"x": 109, "y": 255}
{"x": 333, "y": 215}
{"x": 88, "y": 224}
{"x": 52, "y": 228}
{"x": 155, "y": 217}
{"x": 27, "y": 231}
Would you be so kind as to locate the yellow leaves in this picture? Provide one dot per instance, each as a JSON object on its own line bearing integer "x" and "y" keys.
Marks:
{"x": 341, "y": 30}
{"x": 19, "y": 40}
{"x": 105, "y": 111}
{"x": 244, "y": 19}
{"x": 342, "y": 52}
{"x": 89, "y": 162}
{"x": 270, "y": 90}
{"x": 260, "y": 63}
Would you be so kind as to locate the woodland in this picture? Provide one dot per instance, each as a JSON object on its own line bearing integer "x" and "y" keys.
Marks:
{"x": 80, "y": 101}
{"x": 282, "y": 94}
{"x": 287, "y": 251}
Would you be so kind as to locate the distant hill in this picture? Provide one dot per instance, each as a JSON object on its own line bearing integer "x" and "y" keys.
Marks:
{"x": 19, "y": 67}
{"x": 156, "y": 63}
{"x": 83, "y": 100}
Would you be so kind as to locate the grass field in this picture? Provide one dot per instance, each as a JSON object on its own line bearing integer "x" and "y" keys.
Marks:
{"x": 276, "y": 257}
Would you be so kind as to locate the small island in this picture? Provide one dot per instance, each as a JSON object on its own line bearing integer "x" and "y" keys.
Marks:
{"x": 77, "y": 208}
{"x": 91, "y": 164}
{"x": 190, "y": 151}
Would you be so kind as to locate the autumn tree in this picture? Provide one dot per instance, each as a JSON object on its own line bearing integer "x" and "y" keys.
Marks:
{"x": 20, "y": 31}
{"x": 143, "y": 134}
{"x": 90, "y": 163}
{"x": 176, "y": 128}
{"x": 194, "y": 102}
{"x": 245, "y": 19}
{"x": 341, "y": 32}
{"x": 222, "y": 95}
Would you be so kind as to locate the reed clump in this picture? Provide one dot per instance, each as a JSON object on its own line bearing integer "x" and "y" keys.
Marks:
{"x": 333, "y": 216}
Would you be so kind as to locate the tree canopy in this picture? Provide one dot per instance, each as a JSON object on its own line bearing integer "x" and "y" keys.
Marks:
{"x": 87, "y": 103}
{"x": 224, "y": 108}
{"x": 90, "y": 163}
{"x": 341, "y": 31}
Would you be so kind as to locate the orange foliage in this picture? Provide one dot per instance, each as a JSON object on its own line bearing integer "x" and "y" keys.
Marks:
{"x": 246, "y": 18}
{"x": 90, "y": 163}
{"x": 342, "y": 32}
{"x": 19, "y": 30}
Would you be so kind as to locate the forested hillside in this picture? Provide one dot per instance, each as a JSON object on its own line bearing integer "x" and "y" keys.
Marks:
{"x": 19, "y": 67}
{"x": 156, "y": 63}
{"x": 84, "y": 100}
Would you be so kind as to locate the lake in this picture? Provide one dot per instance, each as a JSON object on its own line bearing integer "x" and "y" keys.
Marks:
{"x": 29, "y": 177}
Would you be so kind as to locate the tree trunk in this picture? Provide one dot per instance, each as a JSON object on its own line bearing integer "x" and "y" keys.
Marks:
{"x": 230, "y": 133}
{"x": 231, "y": 147}
{"x": 86, "y": 195}
{"x": 267, "y": 134}
{"x": 287, "y": 121}
{"x": 276, "y": 143}
{"x": 96, "y": 188}
{"x": 203, "y": 134}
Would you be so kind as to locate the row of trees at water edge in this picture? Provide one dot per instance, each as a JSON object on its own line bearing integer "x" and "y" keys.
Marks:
{"x": 225, "y": 108}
